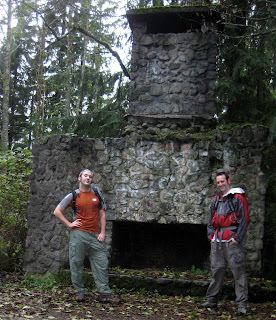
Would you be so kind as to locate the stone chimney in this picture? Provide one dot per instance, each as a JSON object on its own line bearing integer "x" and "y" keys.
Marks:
{"x": 173, "y": 66}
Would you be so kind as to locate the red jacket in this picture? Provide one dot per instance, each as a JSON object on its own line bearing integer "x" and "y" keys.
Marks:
{"x": 229, "y": 217}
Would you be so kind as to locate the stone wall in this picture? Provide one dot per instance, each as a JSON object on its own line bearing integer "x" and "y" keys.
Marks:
{"x": 143, "y": 179}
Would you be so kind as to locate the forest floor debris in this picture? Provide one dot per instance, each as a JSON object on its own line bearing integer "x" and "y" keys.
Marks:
{"x": 18, "y": 301}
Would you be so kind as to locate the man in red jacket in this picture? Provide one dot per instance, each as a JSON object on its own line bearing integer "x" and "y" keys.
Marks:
{"x": 227, "y": 227}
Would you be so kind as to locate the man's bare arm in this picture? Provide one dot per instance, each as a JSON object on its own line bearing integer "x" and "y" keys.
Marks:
{"x": 58, "y": 212}
{"x": 102, "y": 214}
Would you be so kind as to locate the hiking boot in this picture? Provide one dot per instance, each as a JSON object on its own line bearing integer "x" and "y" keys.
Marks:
{"x": 206, "y": 304}
{"x": 109, "y": 298}
{"x": 80, "y": 298}
{"x": 241, "y": 311}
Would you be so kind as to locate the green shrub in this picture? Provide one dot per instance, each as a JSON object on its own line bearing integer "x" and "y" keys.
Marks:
{"x": 15, "y": 168}
{"x": 63, "y": 277}
{"x": 42, "y": 282}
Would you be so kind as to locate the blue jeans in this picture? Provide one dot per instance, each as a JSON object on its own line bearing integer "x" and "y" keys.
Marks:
{"x": 85, "y": 243}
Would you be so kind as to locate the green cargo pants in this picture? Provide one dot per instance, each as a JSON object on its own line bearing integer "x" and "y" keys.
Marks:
{"x": 232, "y": 254}
{"x": 85, "y": 243}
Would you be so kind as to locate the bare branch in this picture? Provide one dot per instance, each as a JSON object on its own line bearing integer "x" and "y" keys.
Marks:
{"x": 44, "y": 20}
{"x": 85, "y": 32}
{"x": 249, "y": 35}
{"x": 107, "y": 46}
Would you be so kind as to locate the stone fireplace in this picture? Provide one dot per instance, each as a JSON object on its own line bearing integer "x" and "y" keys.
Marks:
{"x": 154, "y": 245}
{"x": 158, "y": 178}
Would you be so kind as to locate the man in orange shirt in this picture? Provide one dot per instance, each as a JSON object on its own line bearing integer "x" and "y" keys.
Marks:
{"x": 85, "y": 238}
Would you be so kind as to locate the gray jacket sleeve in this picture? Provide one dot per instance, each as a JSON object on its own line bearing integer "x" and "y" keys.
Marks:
{"x": 240, "y": 207}
{"x": 210, "y": 228}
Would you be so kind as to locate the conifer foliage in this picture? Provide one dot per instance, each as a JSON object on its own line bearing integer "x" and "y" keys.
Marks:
{"x": 62, "y": 56}
{"x": 61, "y": 78}
{"x": 246, "y": 63}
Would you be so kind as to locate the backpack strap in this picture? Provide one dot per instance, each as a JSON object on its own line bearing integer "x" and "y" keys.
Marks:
{"x": 215, "y": 204}
{"x": 230, "y": 203}
{"x": 74, "y": 193}
{"x": 100, "y": 196}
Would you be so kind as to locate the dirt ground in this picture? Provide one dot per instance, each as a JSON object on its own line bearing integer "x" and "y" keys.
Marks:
{"x": 18, "y": 302}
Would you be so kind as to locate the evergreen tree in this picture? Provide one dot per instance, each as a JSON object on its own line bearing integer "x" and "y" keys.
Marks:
{"x": 80, "y": 62}
{"x": 245, "y": 86}
{"x": 60, "y": 74}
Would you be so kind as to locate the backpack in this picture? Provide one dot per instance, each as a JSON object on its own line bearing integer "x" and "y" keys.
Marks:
{"x": 98, "y": 195}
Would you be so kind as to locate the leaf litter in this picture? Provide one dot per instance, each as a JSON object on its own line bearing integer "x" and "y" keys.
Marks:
{"x": 17, "y": 302}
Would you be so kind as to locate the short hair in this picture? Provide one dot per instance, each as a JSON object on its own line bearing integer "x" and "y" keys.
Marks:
{"x": 223, "y": 173}
{"x": 82, "y": 171}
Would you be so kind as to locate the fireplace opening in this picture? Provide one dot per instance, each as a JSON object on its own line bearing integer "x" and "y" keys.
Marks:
{"x": 152, "y": 245}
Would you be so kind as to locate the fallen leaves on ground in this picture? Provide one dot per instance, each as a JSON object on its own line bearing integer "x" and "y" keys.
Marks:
{"x": 18, "y": 302}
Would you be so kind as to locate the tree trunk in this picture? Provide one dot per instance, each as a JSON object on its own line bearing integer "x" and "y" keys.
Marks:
{"x": 157, "y": 3}
{"x": 68, "y": 69}
{"x": 97, "y": 80}
{"x": 6, "y": 85}
{"x": 39, "y": 126}
{"x": 83, "y": 60}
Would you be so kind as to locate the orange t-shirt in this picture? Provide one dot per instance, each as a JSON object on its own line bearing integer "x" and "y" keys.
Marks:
{"x": 87, "y": 209}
